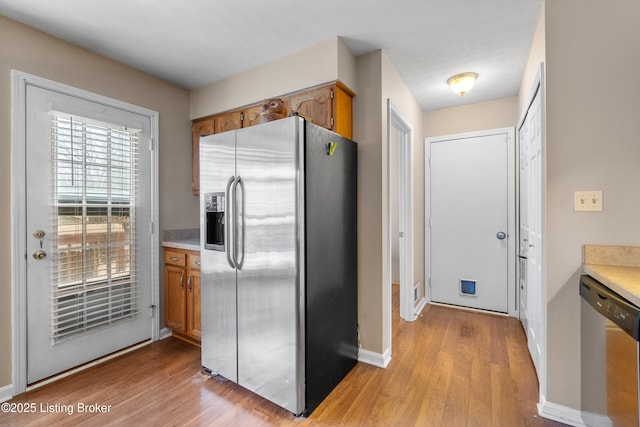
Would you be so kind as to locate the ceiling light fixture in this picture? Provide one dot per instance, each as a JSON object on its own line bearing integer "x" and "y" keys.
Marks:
{"x": 462, "y": 83}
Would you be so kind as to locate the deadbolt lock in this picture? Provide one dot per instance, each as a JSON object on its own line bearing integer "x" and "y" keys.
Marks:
{"x": 38, "y": 234}
{"x": 39, "y": 254}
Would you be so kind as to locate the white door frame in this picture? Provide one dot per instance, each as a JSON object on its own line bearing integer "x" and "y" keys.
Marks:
{"x": 396, "y": 120}
{"x": 512, "y": 300}
{"x": 19, "y": 82}
{"x": 538, "y": 85}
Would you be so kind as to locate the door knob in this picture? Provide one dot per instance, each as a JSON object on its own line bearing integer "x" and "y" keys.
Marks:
{"x": 39, "y": 254}
{"x": 501, "y": 235}
{"x": 38, "y": 234}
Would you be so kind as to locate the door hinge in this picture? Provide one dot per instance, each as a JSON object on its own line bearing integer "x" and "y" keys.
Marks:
{"x": 332, "y": 122}
{"x": 241, "y": 117}
{"x": 151, "y": 227}
{"x": 332, "y": 94}
{"x": 150, "y": 144}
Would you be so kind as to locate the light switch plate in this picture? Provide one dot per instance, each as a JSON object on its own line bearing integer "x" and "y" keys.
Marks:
{"x": 588, "y": 201}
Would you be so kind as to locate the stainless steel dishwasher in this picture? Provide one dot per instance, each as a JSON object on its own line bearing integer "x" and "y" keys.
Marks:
{"x": 609, "y": 356}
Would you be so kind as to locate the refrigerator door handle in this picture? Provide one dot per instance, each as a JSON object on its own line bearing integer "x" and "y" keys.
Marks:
{"x": 234, "y": 201}
{"x": 228, "y": 222}
{"x": 239, "y": 248}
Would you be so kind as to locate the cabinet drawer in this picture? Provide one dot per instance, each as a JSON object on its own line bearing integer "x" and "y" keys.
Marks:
{"x": 175, "y": 258}
{"x": 194, "y": 261}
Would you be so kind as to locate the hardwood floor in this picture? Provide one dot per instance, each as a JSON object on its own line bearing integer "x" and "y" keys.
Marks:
{"x": 448, "y": 368}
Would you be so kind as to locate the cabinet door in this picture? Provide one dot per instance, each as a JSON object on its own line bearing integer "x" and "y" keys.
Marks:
{"x": 200, "y": 128}
{"x": 315, "y": 105}
{"x": 343, "y": 113}
{"x": 228, "y": 121}
{"x": 175, "y": 316}
{"x": 251, "y": 116}
{"x": 193, "y": 305}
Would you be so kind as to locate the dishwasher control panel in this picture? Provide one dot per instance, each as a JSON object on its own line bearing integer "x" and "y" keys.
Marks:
{"x": 611, "y": 305}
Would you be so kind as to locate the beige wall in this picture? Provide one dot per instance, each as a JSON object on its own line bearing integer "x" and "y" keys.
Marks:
{"x": 33, "y": 52}
{"x": 593, "y": 126}
{"x": 324, "y": 62}
{"x": 378, "y": 81}
{"x": 470, "y": 118}
{"x": 367, "y": 76}
{"x": 367, "y": 131}
{"x": 536, "y": 57}
{"x": 318, "y": 64}
{"x": 394, "y": 88}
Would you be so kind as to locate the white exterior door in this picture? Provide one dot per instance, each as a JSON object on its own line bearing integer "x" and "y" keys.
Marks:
{"x": 88, "y": 238}
{"x": 469, "y": 218}
{"x": 530, "y": 226}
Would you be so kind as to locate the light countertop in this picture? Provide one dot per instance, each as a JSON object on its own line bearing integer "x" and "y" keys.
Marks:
{"x": 186, "y": 244}
{"x": 188, "y": 239}
{"x": 617, "y": 267}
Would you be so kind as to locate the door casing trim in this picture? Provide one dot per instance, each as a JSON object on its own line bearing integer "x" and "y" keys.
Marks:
{"x": 19, "y": 82}
{"x": 396, "y": 120}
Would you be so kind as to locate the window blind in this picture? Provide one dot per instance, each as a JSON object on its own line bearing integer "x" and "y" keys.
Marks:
{"x": 95, "y": 169}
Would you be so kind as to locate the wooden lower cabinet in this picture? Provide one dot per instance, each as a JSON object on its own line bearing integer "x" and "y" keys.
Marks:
{"x": 194, "y": 328}
{"x": 182, "y": 294}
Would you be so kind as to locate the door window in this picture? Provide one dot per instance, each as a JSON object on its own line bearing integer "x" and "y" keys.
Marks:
{"x": 94, "y": 197}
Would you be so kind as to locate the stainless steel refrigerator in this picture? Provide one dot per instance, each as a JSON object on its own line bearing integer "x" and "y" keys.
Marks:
{"x": 279, "y": 260}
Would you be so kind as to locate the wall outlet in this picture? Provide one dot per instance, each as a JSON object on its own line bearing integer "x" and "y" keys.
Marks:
{"x": 588, "y": 201}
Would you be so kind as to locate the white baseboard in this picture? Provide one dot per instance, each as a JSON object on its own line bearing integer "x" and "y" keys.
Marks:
{"x": 6, "y": 393}
{"x": 164, "y": 333}
{"x": 561, "y": 413}
{"x": 420, "y": 307}
{"x": 591, "y": 419}
{"x": 375, "y": 359}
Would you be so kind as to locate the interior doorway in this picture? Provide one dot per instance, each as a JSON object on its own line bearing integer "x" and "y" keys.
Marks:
{"x": 400, "y": 208}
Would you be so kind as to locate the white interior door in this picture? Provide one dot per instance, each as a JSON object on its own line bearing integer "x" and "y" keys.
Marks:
{"x": 530, "y": 225}
{"x": 469, "y": 220}
{"x": 88, "y": 237}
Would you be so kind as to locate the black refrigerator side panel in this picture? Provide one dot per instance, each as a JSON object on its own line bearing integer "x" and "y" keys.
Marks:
{"x": 331, "y": 323}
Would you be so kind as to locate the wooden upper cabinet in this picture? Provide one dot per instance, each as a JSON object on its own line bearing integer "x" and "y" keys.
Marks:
{"x": 251, "y": 116}
{"x": 228, "y": 121}
{"x": 315, "y": 105}
{"x": 343, "y": 111}
{"x": 329, "y": 106}
{"x": 201, "y": 127}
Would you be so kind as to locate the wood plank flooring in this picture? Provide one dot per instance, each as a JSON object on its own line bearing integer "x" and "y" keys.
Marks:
{"x": 449, "y": 368}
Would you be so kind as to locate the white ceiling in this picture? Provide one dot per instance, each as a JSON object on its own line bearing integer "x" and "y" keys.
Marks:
{"x": 196, "y": 42}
